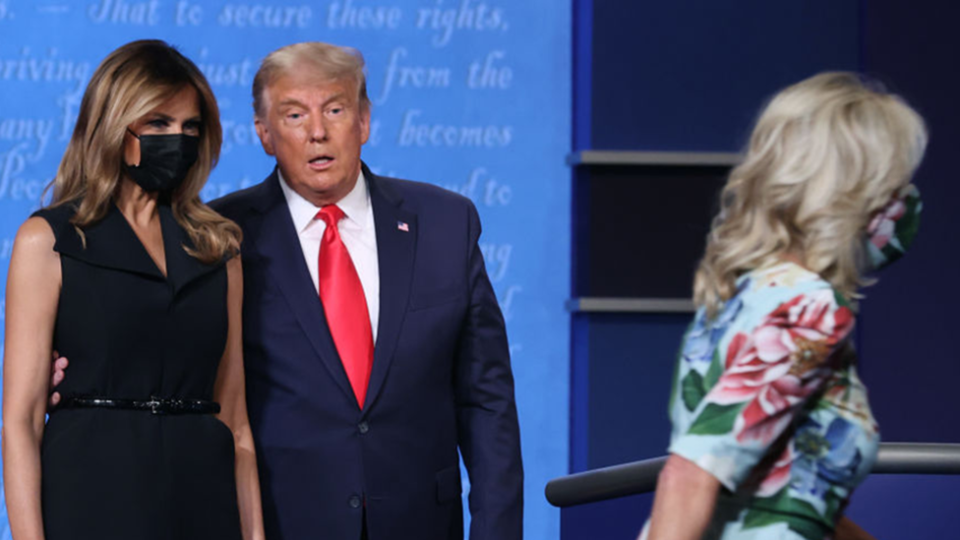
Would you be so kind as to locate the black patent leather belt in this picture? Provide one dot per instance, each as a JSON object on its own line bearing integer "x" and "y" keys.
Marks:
{"x": 153, "y": 405}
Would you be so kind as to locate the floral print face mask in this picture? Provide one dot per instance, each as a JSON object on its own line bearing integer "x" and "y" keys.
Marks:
{"x": 893, "y": 229}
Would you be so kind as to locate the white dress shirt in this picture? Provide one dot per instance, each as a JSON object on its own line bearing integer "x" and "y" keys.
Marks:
{"x": 357, "y": 232}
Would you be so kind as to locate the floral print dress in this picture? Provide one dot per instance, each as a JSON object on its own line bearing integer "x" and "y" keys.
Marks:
{"x": 766, "y": 398}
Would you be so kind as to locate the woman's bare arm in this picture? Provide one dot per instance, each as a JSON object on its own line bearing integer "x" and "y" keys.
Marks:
{"x": 231, "y": 394}
{"x": 848, "y": 530}
{"x": 33, "y": 292}
{"x": 684, "y": 502}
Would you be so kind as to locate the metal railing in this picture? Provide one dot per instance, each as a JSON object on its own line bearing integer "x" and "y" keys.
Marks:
{"x": 641, "y": 476}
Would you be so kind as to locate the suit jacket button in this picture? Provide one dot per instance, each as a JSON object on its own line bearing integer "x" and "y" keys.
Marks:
{"x": 355, "y": 501}
{"x": 363, "y": 427}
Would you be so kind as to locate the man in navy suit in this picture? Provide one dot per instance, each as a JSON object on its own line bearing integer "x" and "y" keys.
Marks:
{"x": 374, "y": 345}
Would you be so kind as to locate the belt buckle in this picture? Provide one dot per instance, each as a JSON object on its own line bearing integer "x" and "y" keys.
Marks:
{"x": 154, "y": 404}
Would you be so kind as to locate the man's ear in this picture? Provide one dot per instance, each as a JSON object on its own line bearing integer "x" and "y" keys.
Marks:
{"x": 266, "y": 139}
{"x": 364, "y": 124}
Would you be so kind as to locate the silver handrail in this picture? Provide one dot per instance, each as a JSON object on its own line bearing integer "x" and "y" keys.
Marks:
{"x": 641, "y": 476}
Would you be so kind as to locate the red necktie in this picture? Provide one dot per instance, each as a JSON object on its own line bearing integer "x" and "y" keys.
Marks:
{"x": 345, "y": 304}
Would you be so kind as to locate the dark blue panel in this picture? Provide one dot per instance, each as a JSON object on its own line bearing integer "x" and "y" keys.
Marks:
{"x": 691, "y": 74}
{"x": 582, "y": 68}
{"x": 911, "y": 360}
{"x": 581, "y": 227}
{"x": 579, "y": 393}
{"x": 646, "y": 227}
{"x": 631, "y": 365}
{"x": 891, "y": 506}
{"x": 619, "y": 519}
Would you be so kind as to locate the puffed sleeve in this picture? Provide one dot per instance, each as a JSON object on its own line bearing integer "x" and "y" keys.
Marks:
{"x": 769, "y": 373}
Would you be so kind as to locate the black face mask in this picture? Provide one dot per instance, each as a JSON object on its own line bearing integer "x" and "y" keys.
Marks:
{"x": 164, "y": 161}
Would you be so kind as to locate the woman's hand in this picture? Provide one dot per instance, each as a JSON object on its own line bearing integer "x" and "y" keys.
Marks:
{"x": 58, "y": 370}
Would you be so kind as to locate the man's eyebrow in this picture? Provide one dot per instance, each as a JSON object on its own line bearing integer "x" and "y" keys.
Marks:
{"x": 335, "y": 97}
{"x": 291, "y": 101}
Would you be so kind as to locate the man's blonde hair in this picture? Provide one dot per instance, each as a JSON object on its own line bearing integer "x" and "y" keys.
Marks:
{"x": 330, "y": 62}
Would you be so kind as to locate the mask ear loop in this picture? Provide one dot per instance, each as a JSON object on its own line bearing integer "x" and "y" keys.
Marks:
{"x": 137, "y": 137}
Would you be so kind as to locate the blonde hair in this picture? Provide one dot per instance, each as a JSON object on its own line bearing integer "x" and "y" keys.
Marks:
{"x": 825, "y": 155}
{"x": 330, "y": 62}
{"x": 128, "y": 84}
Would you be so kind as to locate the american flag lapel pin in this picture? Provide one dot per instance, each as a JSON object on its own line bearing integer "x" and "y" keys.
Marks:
{"x": 403, "y": 226}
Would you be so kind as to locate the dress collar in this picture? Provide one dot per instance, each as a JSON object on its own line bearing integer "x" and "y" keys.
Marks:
{"x": 111, "y": 243}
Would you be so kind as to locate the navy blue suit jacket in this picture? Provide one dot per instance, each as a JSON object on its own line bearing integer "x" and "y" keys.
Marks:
{"x": 441, "y": 378}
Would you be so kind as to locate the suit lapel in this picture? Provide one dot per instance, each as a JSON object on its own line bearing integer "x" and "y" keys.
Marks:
{"x": 275, "y": 239}
{"x": 396, "y": 249}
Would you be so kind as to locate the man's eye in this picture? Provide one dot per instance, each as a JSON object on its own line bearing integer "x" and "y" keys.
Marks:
{"x": 336, "y": 110}
{"x": 294, "y": 116}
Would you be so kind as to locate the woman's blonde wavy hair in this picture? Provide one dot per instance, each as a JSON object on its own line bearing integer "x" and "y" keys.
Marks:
{"x": 129, "y": 83}
{"x": 825, "y": 155}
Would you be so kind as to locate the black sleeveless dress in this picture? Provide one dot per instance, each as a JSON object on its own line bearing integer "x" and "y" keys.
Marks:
{"x": 131, "y": 333}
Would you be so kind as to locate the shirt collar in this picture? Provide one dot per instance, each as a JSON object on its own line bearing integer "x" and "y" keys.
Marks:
{"x": 355, "y": 205}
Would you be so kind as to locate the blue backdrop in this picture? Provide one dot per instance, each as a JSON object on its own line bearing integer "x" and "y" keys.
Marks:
{"x": 472, "y": 95}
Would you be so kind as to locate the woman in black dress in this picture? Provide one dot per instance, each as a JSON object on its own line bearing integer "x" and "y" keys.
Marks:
{"x": 136, "y": 281}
